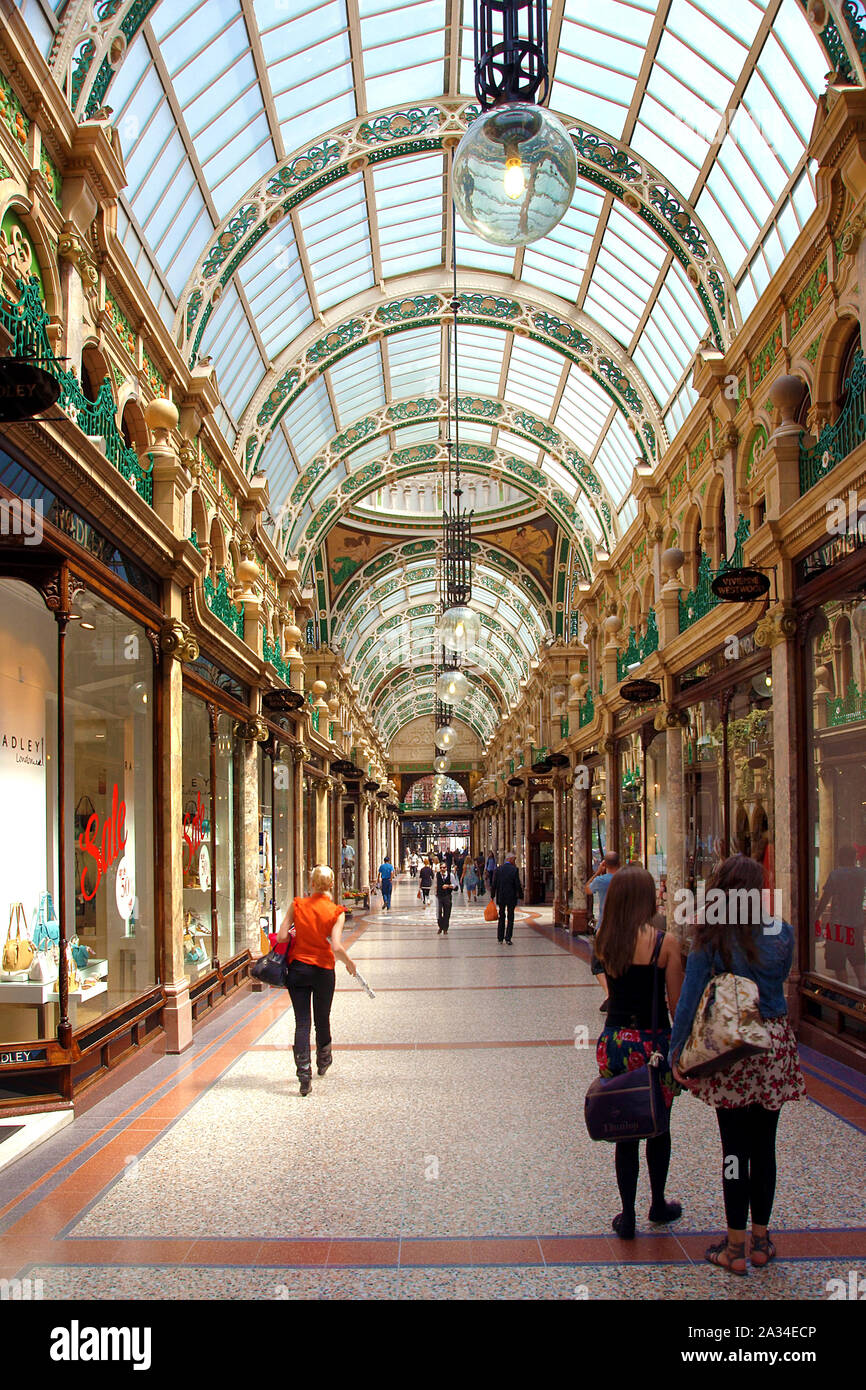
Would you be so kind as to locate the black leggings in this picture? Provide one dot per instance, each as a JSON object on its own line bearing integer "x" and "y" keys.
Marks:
{"x": 311, "y": 983}
{"x": 658, "y": 1158}
{"x": 748, "y": 1163}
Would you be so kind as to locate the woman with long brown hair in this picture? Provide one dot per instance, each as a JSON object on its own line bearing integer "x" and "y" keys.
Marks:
{"x": 638, "y": 959}
{"x": 737, "y": 934}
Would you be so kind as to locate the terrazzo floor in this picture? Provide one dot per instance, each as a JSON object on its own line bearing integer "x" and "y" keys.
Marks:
{"x": 443, "y": 1156}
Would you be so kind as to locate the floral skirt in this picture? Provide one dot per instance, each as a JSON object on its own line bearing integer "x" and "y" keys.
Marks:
{"x": 625, "y": 1049}
{"x": 768, "y": 1079}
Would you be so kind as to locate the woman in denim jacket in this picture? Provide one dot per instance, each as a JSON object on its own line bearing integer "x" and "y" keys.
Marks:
{"x": 749, "y": 1094}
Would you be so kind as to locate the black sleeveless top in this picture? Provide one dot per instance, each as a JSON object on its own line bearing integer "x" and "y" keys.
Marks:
{"x": 631, "y": 998}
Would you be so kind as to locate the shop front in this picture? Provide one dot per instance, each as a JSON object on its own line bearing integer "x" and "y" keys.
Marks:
{"x": 80, "y": 735}
{"x": 728, "y": 765}
{"x": 832, "y": 611}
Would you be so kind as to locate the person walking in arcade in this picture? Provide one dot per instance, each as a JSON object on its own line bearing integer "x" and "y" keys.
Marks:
{"x": 313, "y": 926}
{"x": 386, "y": 880}
{"x": 507, "y": 892}
{"x": 444, "y": 897}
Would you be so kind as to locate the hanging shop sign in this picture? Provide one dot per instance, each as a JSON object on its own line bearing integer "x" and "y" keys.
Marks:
{"x": 542, "y": 767}
{"x": 25, "y": 389}
{"x": 515, "y": 781}
{"x": 558, "y": 759}
{"x": 640, "y": 692}
{"x": 282, "y": 701}
{"x": 740, "y": 585}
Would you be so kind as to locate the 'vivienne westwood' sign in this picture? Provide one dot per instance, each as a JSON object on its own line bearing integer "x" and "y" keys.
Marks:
{"x": 740, "y": 585}
{"x": 25, "y": 389}
{"x": 640, "y": 692}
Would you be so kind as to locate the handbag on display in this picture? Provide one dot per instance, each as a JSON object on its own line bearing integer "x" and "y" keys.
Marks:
{"x": 46, "y": 928}
{"x": 43, "y": 970}
{"x": 727, "y": 1026}
{"x": 491, "y": 912}
{"x": 18, "y": 950}
{"x": 631, "y": 1105}
{"x": 81, "y": 954}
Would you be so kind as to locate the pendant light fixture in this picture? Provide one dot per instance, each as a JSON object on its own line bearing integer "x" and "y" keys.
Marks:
{"x": 515, "y": 169}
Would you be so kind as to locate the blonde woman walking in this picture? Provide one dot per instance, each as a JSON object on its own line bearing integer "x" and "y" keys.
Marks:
{"x": 313, "y": 926}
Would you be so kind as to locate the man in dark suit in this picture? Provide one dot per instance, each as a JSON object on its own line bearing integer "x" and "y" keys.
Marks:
{"x": 507, "y": 892}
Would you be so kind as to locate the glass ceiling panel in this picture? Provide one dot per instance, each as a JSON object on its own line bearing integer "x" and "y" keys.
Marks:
{"x": 409, "y": 214}
{"x": 558, "y": 261}
{"x": 616, "y": 458}
{"x": 404, "y": 50}
{"x": 583, "y": 410}
{"x": 278, "y": 464}
{"x": 413, "y": 360}
{"x": 273, "y": 278}
{"x": 228, "y": 339}
{"x": 480, "y": 360}
{"x": 310, "y": 422}
{"x": 534, "y": 374}
{"x": 599, "y": 60}
{"x": 357, "y": 384}
{"x": 337, "y": 238}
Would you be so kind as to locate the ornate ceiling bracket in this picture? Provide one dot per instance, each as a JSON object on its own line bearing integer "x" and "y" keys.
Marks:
{"x": 399, "y": 133}
{"x": 839, "y": 27}
{"x": 89, "y": 47}
{"x": 573, "y": 334}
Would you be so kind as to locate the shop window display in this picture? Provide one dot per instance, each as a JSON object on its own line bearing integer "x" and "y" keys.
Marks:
{"x": 109, "y": 739}
{"x": 702, "y": 776}
{"x": 657, "y": 807}
{"x": 211, "y": 878}
{"x": 631, "y": 794}
{"x": 28, "y": 804}
{"x": 836, "y": 711}
{"x": 598, "y": 815}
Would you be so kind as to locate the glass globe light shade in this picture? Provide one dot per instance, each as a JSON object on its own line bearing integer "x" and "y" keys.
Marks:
{"x": 459, "y": 629}
{"x": 445, "y": 736}
{"x": 451, "y": 687}
{"x": 514, "y": 174}
{"x": 442, "y": 763}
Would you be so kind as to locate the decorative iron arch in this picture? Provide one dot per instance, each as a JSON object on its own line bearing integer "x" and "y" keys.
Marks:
{"x": 417, "y": 302}
{"x": 403, "y": 414}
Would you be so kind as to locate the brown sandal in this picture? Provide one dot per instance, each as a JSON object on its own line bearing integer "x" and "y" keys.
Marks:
{"x": 736, "y": 1255}
{"x": 763, "y": 1246}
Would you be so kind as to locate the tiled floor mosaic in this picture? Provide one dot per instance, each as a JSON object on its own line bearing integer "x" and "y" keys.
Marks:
{"x": 444, "y": 1155}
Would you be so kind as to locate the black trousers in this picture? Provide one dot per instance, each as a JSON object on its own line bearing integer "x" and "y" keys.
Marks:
{"x": 627, "y": 1161}
{"x": 748, "y": 1164}
{"x": 443, "y": 915}
{"x": 311, "y": 985}
{"x": 506, "y": 921}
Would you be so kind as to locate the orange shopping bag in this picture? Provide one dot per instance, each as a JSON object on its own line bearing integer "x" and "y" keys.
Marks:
{"x": 491, "y": 912}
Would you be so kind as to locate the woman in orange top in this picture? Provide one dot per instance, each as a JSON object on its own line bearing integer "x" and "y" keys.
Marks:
{"x": 318, "y": 922}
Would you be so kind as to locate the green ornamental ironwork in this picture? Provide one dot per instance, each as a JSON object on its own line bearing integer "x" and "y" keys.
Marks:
{"x": 701, "y": 600}
{"x": 837, "y": 441}
{"x": 846, "y": 709}
{"x": 219, "y": 602}
{"x": 639, "y": 648}
{"x": 586, "y": 711}
{"x": 27, "y": 324}
{"x": 273, "y": 656}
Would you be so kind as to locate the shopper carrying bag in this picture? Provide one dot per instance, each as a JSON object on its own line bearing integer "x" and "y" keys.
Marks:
{"x": 747, "y": 1061}
{"x": 644, "y": 972}
{"x": 316, "y": 926}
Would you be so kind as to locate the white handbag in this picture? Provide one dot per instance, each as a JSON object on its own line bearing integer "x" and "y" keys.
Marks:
{"x": 44, "y": 968}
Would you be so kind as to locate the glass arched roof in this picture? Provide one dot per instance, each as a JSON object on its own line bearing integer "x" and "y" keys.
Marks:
{"x": 287, "y": 210}
{"x": 214, "y": 96}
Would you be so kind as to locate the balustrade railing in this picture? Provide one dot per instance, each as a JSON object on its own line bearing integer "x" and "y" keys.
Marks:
{"x": 837, "y": 441}
{"x": 273, "y": 656}
{"x": 639, "y": 648}
{"x": 27, "y": 324}
{"x": 701, "y": 600}
{"x": 219, "y": 602}
{"x": 846, "y": 709}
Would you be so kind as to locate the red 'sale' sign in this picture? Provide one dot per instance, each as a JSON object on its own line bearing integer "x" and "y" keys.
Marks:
{"x": 103, "y": 844}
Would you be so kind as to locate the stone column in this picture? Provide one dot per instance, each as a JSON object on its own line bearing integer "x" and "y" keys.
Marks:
{"x": 177, "y": 645}
{"x": 363, "y": 855}
{"x": 580, "y": 796}
{"x": 675, "y": 820}
{"x": 321, "y": 793}
{"x": 525, "y": 830}
{"x": 299, "y": 753}
{"x": 559, "y": 905}
{"x": 778, "y": 631}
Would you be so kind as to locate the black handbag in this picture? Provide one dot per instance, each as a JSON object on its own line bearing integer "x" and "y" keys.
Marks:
{"x": 632, "y": 1105}
{"x": 270, "y": 969}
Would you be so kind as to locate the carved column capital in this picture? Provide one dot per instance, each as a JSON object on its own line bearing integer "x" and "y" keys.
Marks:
{"x": 775, "y": 627}
{"x": 177, "y": 641}
{"x": 255, "y": 730}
